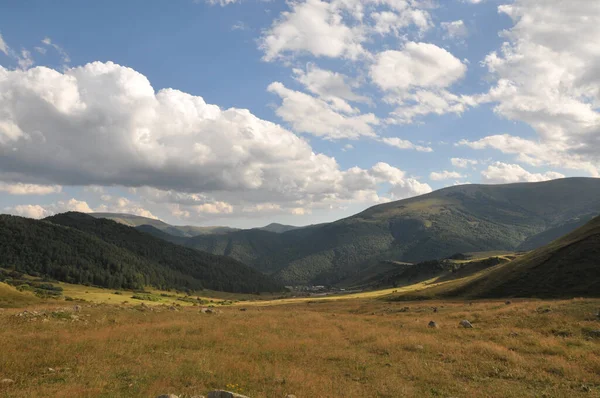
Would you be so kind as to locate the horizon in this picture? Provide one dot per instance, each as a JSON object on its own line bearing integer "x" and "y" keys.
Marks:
{"x": 325, "y": 222}
{"x": 235, "y": 113}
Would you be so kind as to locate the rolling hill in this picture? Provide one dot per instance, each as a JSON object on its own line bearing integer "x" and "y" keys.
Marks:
{"x": 468, "y": 218}
{"x": 77, "y": 248}
{"x": 567, "y": 267}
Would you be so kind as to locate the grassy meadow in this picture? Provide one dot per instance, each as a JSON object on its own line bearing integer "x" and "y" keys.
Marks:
{"x": 349, "y": 347}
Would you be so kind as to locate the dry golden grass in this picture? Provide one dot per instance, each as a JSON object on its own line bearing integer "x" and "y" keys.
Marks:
{"x": 326, "y": 348}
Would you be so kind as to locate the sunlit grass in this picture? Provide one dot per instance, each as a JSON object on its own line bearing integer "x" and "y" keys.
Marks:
{"x": 320, "y": 348}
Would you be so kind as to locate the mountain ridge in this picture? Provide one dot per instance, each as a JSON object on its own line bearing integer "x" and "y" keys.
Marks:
{"x": 467, "y": 218}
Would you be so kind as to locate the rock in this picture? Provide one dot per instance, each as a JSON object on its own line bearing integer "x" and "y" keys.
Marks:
{"x": 6, "y": 382}
{"x": 543, "y": 310}
{"x": 466, "y": 324}
{"x": 224, "y": 394}
{"x": 168, "y": 396}
{"x": 507, "y": 302}
{"x": 206, "y": 311}
{"x": 242, "y": 309}
{"x": 419, "y": 347}
{"x": 433, "y": 324}
{"x": 290, "y": 396}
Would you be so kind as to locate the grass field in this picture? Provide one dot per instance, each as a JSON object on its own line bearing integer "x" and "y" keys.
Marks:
{"x": 351, "y": 347}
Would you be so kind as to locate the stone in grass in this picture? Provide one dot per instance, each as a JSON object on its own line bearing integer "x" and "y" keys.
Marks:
{"x": 290, "y": 396}
{"x": 6, "y": 382}
{"x": 466, "y": 324}
{"x": 168, "y": 396}
{"x": 224, "y": 394}
{"x": 433, "y": 324}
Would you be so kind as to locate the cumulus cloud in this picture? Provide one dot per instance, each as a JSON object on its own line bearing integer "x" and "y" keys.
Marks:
{"x": 103, "y": 124}
{"x": 445, "y": 175}
{"x": 416, "y": 65}
{"x": 338, "y": 28}
{"x": 29, "y": 189}
{"x": 463, "y": 163}
{"x": 314, "y": 27}
{"x": 41, "y": 211}
{"x": 503, "y": 173}
{"x": 308, "y": 114}
{"x": 29, "y": 211}
{"x": 416, "y": 79}
{"x": 332, "y": 87}
{"x": 546, "y": 76}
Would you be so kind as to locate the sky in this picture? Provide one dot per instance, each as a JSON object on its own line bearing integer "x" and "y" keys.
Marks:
{"x": 247, "y": 112}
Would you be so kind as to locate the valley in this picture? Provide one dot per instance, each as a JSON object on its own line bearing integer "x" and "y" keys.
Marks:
{"x": 96, "y": 307}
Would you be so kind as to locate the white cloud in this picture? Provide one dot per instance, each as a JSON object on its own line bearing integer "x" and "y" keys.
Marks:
{"x": 445, "y": 175}
{"x": 455, "y": 29}
{"x": 28, "y": 189}
{"x": 425, "y": 102}
{"x": 214, "y": 208}
{"x": 122, "y": 205}
{"x": 3, "y": 46}
{"x": 404, "y": 144}
{"x": 534, "y": 153}
{"x": 25, "y": 61}
{"x": 329, "y": 86}
{"x": 41, "y": 211}
{"x": 103, "y": 124}
{"x": 416, "y": 65}
{"x": 311, "y": 115}
{"x": 386, "y": 22}
{"x": 29, "y": 211}
{"x": 314, "y": 27}
{"x": 503, "y": 173}
{"x": 547, "y": 76}
{"x": 338, "y": 28}
{"x": 463, "y": 163}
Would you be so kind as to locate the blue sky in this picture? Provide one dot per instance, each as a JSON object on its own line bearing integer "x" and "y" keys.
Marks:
{"x": 324, "y": 108}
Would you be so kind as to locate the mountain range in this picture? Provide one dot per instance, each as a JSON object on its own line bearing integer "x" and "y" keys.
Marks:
{"x": 467, "y": 218}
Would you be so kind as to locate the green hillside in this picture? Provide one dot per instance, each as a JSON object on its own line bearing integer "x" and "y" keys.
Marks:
{"x": 567, "y": 267}
{"x": 468, "y": 218}
{"x": 77, "y": 248}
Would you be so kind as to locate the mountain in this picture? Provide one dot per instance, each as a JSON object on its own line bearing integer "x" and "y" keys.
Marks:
{"x": 467, "y": 218}
{"x": 175, "y": 230}
{"x": 567, "y": 267}
{"x": 278, "y": 228}
{"x": 78, "y": 248}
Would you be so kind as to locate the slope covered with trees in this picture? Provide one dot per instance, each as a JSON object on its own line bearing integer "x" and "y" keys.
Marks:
{"x": 468, "y": 218}
{"x": 78, "y": 248}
